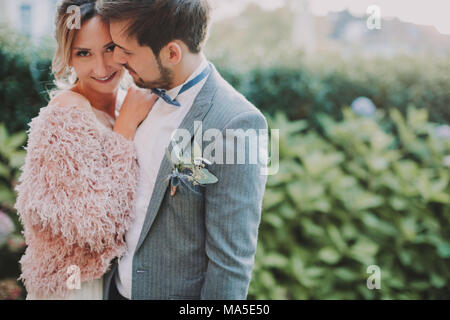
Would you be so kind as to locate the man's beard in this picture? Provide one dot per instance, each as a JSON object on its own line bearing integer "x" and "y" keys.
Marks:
{"x": 164, "y": 82}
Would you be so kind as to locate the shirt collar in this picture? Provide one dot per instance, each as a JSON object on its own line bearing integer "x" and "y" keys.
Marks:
{"x": 172, "y": 93}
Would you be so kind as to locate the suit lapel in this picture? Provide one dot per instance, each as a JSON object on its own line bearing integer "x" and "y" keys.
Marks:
{"x": 198, "y": 111}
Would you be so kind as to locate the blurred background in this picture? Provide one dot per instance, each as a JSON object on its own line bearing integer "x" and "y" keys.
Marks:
{"x": 363, "y": 109}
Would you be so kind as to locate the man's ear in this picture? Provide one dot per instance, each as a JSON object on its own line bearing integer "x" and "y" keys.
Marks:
{"x": 172, "y": 53}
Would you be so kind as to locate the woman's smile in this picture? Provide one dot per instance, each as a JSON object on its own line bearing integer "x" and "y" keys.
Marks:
{"x": 105, "y": 79}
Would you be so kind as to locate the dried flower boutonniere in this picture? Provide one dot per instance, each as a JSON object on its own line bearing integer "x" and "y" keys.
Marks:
{"x": 189, "y": 171}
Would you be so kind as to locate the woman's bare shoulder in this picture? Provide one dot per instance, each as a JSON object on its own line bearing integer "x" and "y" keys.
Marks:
{"x": 69, "y": 98}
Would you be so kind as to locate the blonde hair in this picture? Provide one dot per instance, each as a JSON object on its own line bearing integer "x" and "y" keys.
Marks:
{"x": 65, "y": 34}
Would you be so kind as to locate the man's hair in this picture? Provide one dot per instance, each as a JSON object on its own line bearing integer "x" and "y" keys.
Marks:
{"x": 155, "y": 23}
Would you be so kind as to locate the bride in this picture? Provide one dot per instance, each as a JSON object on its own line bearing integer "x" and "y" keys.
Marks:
{"x": 75, "y": 196}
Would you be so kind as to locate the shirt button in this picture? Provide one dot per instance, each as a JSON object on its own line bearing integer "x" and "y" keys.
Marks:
{"x": 141, "y": 271}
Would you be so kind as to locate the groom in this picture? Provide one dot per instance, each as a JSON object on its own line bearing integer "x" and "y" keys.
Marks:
{"x": 190, "y": 241}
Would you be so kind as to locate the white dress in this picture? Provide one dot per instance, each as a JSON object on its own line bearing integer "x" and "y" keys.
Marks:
{"x": 92, "y": 290}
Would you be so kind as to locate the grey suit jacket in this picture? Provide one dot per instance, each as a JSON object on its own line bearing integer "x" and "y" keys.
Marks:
{"x": 202, "y": 246}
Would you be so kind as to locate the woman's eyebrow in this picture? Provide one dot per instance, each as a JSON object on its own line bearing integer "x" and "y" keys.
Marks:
{"x": 86, "y": 49}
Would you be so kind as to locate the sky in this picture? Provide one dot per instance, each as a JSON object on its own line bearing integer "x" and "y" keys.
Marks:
{"x": 425, "y": 12}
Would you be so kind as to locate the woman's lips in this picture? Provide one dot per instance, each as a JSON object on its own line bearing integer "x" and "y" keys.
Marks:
{"x": 105, "y": 80}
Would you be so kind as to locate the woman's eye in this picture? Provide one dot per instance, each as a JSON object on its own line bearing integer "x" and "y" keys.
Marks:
{"x": 111, "y": 48}
{"x": 82, "y": 53}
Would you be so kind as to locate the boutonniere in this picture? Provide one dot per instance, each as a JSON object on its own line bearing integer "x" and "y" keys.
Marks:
{"x": 187, "y": 170}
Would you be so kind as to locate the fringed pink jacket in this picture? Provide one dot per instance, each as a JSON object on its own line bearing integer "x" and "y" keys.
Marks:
{"x": 75, "y": 197}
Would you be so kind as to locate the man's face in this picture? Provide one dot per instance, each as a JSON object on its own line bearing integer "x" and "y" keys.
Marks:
{"x": 145, "y": 68}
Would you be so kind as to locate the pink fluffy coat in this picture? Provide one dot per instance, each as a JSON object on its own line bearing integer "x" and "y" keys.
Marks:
{"x": 75, "y": 198}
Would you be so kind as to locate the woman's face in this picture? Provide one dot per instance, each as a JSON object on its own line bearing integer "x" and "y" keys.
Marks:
{"x": 92, "y": 57}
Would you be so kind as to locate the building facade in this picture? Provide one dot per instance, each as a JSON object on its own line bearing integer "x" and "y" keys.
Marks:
{"x": 32, "y": 18}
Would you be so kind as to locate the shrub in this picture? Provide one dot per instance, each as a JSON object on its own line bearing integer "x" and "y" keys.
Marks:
{"x": 12, "y": 244}
{"x": 358, "y": 195}
{"x": 303, "y": 88}
{"x": 24, "y": 80}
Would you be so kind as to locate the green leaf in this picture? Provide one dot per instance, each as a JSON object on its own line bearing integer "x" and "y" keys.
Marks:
{"x": 3, "y": 136}
{"x": 438, "y": 281}
{"x": 329, "y": 255}
{"x": 398, "y": 203}
{"x": 311, "y": 228}
{"x": 7, "y": 196}
{"x": 4, "y": 171}
{"x": 336, "y": 238}
{"x": 272, "y": 198}
{"x": 17, "y": 159}
{"x": 366, "y": 200}
{"x": 203, "y": 176}
{"x": 444, "y": 250}
{"x": 275, "y": 260}
{"x": 345, "y": 274}
{"x": 17, "y": 140}
{"x": 273, "y": 220}
{"x": 364, "y": 251}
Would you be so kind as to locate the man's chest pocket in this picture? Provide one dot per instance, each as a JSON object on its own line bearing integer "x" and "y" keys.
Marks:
{"x": 188, "y": 197}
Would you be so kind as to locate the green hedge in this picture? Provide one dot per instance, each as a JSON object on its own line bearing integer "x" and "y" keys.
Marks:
{"x": 302, "y": 87}
{"x": 12, "y": 245}
{"x": 24, "y": 80}
{"x": 363, "y": 193}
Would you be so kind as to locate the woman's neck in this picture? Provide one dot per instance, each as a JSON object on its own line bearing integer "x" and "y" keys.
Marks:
{"x": 105, "y": 102}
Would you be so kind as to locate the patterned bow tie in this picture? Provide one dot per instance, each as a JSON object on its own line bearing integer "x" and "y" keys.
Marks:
{"x": 163, "y": 95}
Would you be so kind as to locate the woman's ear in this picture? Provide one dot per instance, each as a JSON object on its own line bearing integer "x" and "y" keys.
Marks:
{"x": 172, "y": 52}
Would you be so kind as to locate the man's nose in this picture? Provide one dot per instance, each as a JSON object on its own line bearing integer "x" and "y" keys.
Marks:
{"x": 119, "y": 56}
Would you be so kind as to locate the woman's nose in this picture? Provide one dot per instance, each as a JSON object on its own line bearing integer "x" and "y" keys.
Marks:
{"x": 100, "y": 69}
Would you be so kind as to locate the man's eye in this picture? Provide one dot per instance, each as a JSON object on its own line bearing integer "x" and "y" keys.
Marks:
{"x": 111, "y": 48}
{"x": 82, "y": 53}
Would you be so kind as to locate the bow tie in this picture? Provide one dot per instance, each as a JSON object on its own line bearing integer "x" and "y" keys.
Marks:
{"x": 163, "y": 95}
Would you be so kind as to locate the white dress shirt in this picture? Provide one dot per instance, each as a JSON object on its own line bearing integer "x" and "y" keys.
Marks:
{"x": 151, "y": 139}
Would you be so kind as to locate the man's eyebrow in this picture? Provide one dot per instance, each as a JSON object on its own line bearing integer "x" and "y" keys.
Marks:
{"x": 120, "y": 47}
{"x": 109, "y": 44}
